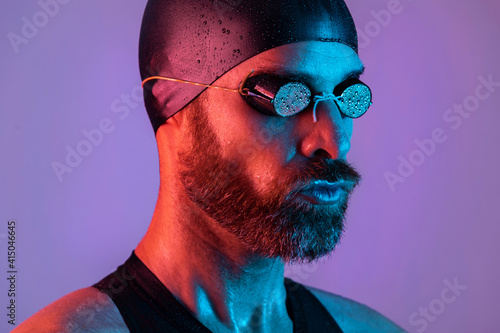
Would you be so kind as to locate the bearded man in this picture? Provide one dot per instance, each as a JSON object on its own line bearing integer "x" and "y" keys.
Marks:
{"x": 253, "y": 105}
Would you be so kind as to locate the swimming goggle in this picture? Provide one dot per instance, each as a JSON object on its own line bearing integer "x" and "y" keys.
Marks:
{"x": 280, "y": 96}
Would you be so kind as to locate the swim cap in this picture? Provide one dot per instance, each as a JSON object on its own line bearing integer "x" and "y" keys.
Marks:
{"x": 200, "y": 40}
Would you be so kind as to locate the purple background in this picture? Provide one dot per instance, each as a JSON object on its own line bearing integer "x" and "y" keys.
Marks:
{"x": 401, "y": 244}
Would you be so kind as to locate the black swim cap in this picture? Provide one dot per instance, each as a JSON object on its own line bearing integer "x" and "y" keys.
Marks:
{"x": 200, "y": 40}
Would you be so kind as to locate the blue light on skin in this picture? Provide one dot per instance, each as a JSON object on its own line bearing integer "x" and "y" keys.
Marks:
{"x": 177, "y": 256}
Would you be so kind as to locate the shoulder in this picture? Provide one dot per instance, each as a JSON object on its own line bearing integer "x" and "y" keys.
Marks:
{"x": 83, "y": 310}
{"x": 353, "y": 316}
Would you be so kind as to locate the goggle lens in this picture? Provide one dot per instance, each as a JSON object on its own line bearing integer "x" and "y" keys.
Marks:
{"x": 291, "y": 98}
{"x": 355, "y": 100}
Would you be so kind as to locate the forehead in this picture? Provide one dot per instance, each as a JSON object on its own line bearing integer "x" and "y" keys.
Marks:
{"x": 313, "y": 60}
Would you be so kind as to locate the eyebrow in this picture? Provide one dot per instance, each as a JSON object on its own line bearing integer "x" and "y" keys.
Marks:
{"x": 306, "y": 77}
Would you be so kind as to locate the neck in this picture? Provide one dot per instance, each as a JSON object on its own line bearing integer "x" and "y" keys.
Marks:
{"x": 210, "y": 272}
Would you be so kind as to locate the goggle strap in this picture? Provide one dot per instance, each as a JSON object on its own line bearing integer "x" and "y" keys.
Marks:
{"x": 241, "y": 90}
{"x": 189, "y": 82}
{"x": 320, "y": 98}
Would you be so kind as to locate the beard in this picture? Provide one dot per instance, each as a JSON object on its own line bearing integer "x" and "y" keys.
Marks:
{"x": 273, "y": 222}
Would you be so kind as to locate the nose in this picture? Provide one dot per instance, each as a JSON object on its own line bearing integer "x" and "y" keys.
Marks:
{"x": 330, "y": 135}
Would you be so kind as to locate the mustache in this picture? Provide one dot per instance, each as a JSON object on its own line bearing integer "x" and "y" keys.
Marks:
{"x": 322, "y": 169}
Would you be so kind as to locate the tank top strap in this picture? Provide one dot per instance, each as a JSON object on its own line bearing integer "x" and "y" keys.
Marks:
{"x": 147, "y": 306}
{"x": 306, "y": 311}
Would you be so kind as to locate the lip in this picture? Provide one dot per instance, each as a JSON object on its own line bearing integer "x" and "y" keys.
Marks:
{"x": 322, "y": 192}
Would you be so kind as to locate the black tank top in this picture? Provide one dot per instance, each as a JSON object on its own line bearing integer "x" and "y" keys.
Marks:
{"x": 146, "y": 305}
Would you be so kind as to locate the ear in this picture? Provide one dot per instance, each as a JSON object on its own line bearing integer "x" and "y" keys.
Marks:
{"x": 171, "y": 133}
{"x": 169, "y": 138}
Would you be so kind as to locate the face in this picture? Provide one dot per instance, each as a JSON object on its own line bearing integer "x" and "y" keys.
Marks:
{"x": 280, "y": 184}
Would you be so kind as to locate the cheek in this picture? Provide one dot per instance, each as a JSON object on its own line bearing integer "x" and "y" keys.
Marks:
{"x": 348, "y": 127}
{"x": 258, "y": 144}
{"x": 264, "y": 169}
{"x": 231, "y": 117}
{"x": 264, "y": 153}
